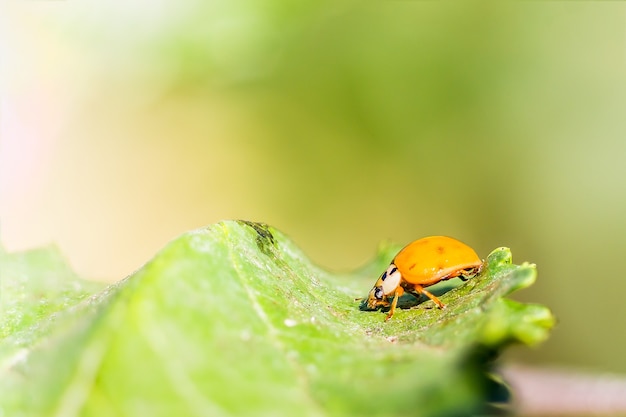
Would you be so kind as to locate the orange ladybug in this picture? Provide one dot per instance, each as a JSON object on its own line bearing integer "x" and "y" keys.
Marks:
{"x": 420, "y": 264}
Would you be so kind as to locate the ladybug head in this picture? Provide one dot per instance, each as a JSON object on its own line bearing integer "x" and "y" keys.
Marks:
{"x": 385, "y": 285}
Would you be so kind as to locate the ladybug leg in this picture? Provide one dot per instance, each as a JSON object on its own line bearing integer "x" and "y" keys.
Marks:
{"x": 418, "y": 290}
{"x": 397, "y": 293}
{"x": 470, "y": 273}
{"x": 435, "y": 299}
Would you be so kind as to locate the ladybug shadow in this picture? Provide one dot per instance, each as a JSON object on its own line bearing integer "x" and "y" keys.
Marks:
{"x": 408, "y": 301}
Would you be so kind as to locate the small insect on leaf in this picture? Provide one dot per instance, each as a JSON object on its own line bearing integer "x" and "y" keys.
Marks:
{"x": 420, "y": 264}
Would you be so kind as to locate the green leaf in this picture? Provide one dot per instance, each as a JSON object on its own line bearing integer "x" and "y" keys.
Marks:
{"x": 36, "y": 284}
{"x": 233, "y": 320}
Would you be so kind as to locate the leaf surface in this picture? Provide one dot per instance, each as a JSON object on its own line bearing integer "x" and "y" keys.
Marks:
{"x": 36, "y": 284}
{"x": 234, "y": 320}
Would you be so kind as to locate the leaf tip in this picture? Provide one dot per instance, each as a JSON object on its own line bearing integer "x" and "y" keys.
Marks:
{"x": 500, "y": 256}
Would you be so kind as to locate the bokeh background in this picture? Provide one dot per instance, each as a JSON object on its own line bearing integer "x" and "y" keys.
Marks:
{"x": 342, "y": 123}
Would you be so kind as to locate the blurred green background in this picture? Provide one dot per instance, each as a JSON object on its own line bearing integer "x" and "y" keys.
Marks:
{"x": 342, "y": 123}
